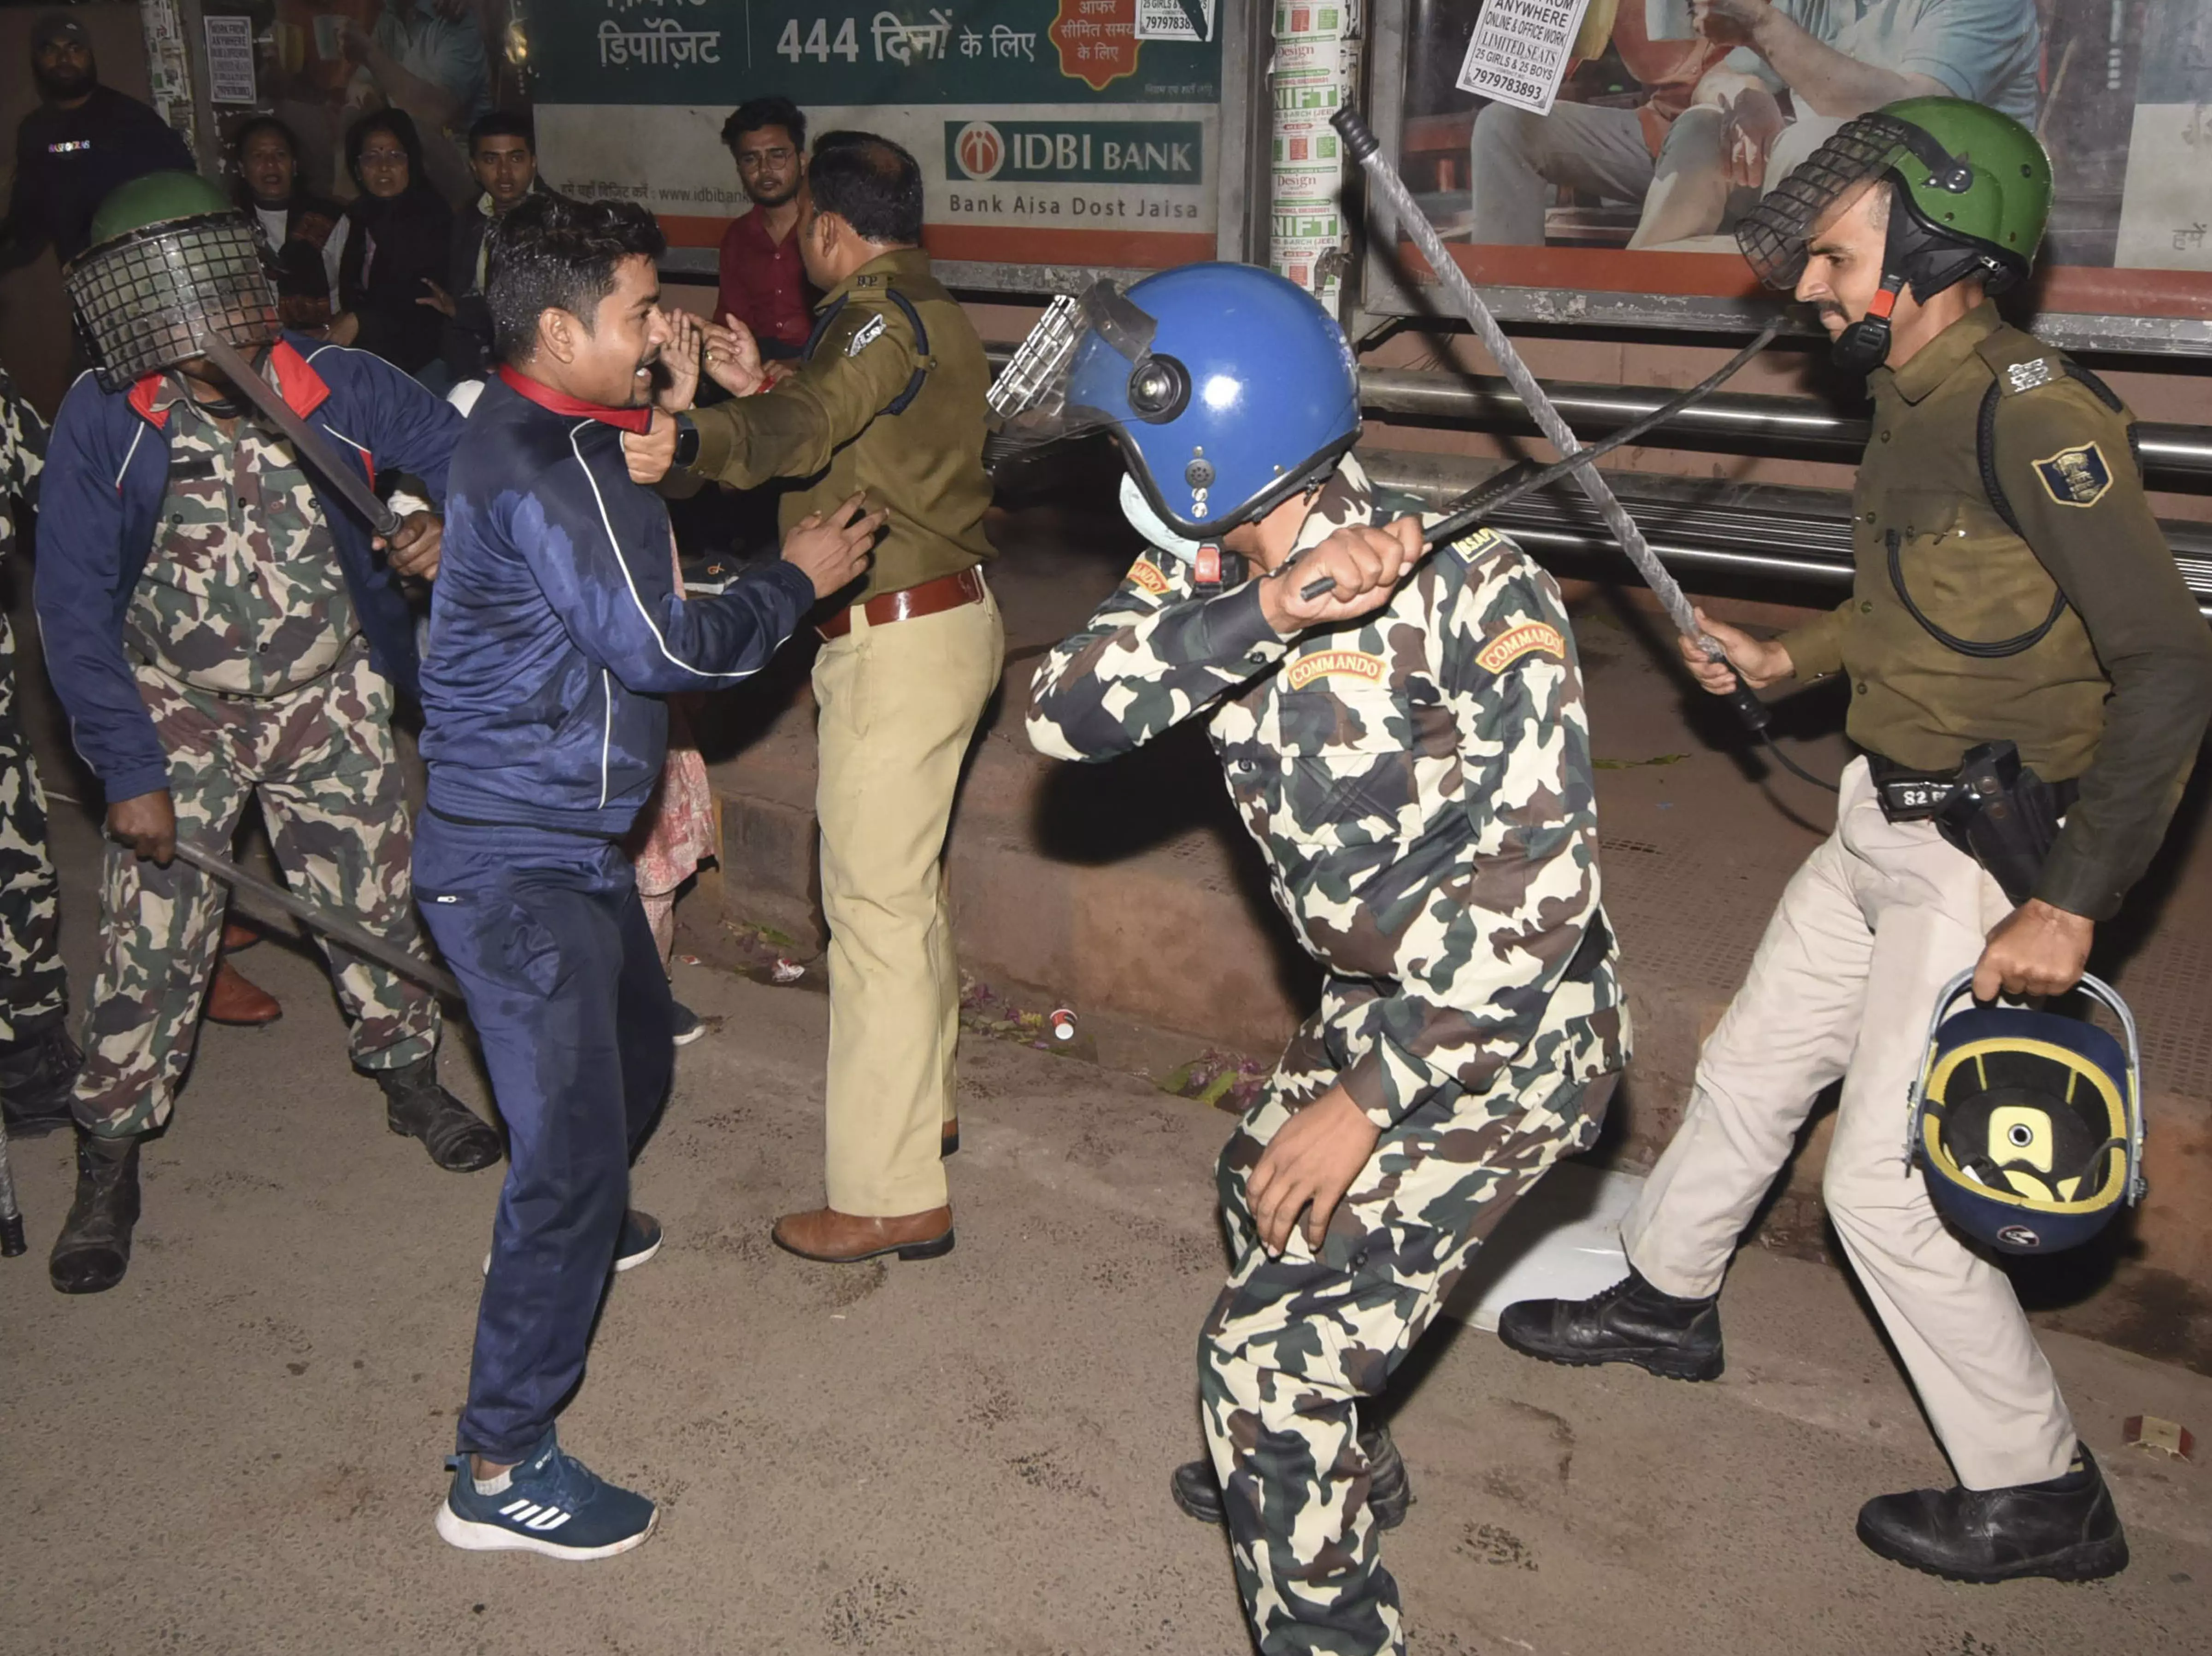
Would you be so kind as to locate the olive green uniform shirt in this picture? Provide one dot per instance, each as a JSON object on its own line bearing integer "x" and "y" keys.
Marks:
{"x": 2114, "y": 693}
{"x": 826, "y": 424}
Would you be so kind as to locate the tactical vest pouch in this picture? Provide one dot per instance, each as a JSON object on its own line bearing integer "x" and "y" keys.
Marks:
{"x": 1993, "y": 808}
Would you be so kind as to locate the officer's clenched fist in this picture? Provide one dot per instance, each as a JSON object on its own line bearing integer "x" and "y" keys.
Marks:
{"x": 1364, "y": 564}
{"x": 147, "y": 823}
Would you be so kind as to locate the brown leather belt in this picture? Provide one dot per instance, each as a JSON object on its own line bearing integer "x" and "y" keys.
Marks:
{"x": 932, "y": 597}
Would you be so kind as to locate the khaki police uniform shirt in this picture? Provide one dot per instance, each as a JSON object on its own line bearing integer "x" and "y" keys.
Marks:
{"x": 2115, "y": 693}
{"x": 826, "y": 424}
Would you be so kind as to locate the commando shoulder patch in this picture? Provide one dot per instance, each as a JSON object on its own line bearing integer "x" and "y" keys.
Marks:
{"x": 1529, "y": 638}
{"x": 1336, "y": 664}
{"x": 1146, "y": 574}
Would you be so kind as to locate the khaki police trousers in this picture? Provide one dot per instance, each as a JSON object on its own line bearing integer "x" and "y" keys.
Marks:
{"x": 1882, "y": 915}
{"x": 898, "y": 704}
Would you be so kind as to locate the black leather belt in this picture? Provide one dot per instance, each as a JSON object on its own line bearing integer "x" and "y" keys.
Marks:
{"x": 1913, "y": 796}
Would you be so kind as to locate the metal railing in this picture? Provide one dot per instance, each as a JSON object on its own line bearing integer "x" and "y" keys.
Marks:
{"x": 1798, "y": 537}
{"x": 1798, "y": 426}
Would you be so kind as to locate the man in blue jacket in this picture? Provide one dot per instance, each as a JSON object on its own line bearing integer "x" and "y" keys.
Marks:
{"x": 555, "y": 629}
{"x": 219, "y": 622}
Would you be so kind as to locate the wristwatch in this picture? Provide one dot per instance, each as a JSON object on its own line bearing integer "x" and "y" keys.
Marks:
{"x": 687, "y": 441}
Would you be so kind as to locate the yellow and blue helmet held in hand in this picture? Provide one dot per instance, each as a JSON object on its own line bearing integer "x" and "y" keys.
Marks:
{"x": 2028, "y": 1125}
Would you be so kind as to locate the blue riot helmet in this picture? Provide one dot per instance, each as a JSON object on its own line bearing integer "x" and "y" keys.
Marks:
{"x": 2028, "y": 1125}
{"x": 1226, "y": 388}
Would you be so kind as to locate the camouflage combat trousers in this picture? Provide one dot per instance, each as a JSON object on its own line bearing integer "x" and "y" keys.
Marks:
{"x": 34, "y": 992}
{"x": 321, "y": 760}
{"x": 1294, "y": 1343}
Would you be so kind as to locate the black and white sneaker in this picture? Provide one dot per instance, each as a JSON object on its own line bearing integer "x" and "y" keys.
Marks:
{"x": 689, "y": 1025}
{"x": 551, "y": 1503}
{"x": 639, "y": 1241}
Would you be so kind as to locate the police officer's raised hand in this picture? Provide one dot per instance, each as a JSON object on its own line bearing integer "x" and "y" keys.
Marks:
{"x": 733, "y": 358}
{"x": 413, "y": 546}
{"x": 830, "y": 548}
{"x": 1307, "y": 1167}
{"x": 1364, "y": 561}
{"x": 2037, "y": 949}
{"x": 1760, "y": 661}
{"x": 147, "y": 823}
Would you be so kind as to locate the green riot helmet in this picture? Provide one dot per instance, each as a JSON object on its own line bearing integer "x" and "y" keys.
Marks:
{"x": 172, "y": 260}
{"x": 1973, "y": 185}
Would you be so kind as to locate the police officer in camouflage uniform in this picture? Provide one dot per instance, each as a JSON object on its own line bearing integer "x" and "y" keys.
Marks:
{"x": 1409, "y": 749}
{"x": 219, "y": 624}
{"x": 38, "y": 1059}
{"x": 2018, "y": 637}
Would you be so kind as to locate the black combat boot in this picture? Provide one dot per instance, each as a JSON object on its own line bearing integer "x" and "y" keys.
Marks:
{"x": 416, "y": 1106}
{"x": 1389, "y": 1492}
{"x": 93, "y": 1249}
{"x": 37, "y": 1072}
{"x": 1629, "y": 1322}
{"x": 2065, "y": 1529}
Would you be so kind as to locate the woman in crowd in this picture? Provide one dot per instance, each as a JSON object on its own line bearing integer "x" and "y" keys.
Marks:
{"x": 396, "y": 250}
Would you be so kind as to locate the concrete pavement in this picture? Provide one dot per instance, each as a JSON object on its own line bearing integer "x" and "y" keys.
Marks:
{"x": 238, "y": 1450}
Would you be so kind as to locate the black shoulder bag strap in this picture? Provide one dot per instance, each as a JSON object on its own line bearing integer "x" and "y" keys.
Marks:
{"x": 899, "y": 403}
{"x": 1986, "y": 444}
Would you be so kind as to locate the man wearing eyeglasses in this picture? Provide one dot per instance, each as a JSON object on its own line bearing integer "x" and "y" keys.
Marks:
{"x": 764, "y": 281}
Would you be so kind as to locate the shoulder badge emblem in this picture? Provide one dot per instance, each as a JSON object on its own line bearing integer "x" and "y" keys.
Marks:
{"x": 1146, "y": 574}
{"x": 2026, "y": 376}
{"x": 1478, "y": 541}
{"x": 2077, "y": 476}
{"x": 865, "y": 335}
{"x": 1336, "y": 664}
{"x": 1529, "y": 638}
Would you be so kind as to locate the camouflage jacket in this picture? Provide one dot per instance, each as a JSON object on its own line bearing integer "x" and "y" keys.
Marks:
{"x": 245, "y": 595}
{"x": 22, "y": 457}
{"x": 1419, "y": 779}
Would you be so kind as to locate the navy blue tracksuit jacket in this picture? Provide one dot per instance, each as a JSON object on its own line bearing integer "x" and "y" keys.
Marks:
{"x": 555, "y": 627}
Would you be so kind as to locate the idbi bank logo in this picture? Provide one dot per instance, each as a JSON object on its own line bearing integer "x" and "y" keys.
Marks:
{"x": 1076, "y": 152}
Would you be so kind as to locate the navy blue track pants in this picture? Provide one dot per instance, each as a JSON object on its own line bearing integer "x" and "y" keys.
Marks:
{"x": 565, "y": 988}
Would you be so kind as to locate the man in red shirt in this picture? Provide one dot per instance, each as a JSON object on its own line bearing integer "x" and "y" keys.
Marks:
{"x": 763, "y": 284}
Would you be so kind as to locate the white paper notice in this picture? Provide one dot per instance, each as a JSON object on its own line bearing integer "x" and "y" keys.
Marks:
{"x": 1168, "y": 20}
{"x": 230, "y": 59}
{"x": 1519, "y": 51}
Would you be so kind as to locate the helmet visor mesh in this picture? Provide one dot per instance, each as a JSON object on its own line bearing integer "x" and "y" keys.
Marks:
{"x": 143, "y": 302}
{"x": 1031, "y": 395}
{"x": 1773, "y": 235}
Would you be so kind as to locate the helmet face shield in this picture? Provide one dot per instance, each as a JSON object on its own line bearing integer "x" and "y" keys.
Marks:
{"x": 1031, "y": 394}
{"x": 144, "y": 300}
{"x": 1226, "y": 389}
{"x": 1774, "y": 234}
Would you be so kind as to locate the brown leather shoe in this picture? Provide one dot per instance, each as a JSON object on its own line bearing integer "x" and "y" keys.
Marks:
{"x": 237, "y": 935}
{"x": 231, "y": 999}
{"x": 844, "y": 1239}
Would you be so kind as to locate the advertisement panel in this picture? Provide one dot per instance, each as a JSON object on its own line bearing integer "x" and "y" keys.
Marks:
{"x": 1620, "y": 202}
{"x": 1047, "y": 131}
{"x": 1071, "y": 132}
